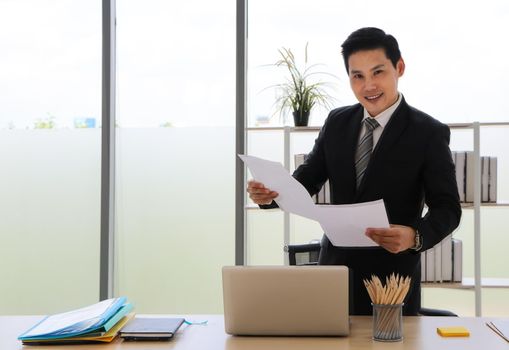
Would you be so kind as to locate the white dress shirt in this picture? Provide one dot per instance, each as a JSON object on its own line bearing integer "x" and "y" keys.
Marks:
{"x": 382, "y": 119}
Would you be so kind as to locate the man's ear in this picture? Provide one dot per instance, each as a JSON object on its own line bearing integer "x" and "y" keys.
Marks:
{"x": 400, "y": 67}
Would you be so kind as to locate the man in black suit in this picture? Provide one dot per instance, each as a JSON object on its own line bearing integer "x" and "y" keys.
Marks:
{"x": 381, "y": 148}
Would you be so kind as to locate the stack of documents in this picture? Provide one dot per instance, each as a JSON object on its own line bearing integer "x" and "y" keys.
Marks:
{"x": 344, "y": 224}
{"x": 99, "y": 322}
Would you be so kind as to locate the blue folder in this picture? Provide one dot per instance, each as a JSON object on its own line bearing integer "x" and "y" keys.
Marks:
{"x": 93, "y": 319}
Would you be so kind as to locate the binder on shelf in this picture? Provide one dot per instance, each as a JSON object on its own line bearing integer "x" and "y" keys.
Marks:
{"x": 327, "y": 192}
{"x": 485, "y": 176}
{"x": 430, "y": 265}
{"x": 492, "y": 183}
{"x": 423, "y": 267}
{"x": 91, "y": 321}
{"x": 442, "y": 262}
{"x": 488, "y": 177}
{"x": 319, "y": 195}
{"x": 457, "y": 255}
{"x": 299, "y": 159}
{"x": 459, "y": 161}
{"x": 469, "y": 177}
{"x": 438, "y": 261}
{"x": 447, "y": 258}
{"x": 323, "y": 196}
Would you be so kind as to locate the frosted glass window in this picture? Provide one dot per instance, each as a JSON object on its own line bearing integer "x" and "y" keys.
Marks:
{"x": 50, "y": 109}
{"x": 176, "y": 153}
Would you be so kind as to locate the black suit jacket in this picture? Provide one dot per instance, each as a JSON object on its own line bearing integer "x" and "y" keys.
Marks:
{"x": 410, "y": 165}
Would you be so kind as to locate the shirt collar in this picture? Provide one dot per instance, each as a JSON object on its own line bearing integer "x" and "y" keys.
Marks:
{"x": 383, "y": 117}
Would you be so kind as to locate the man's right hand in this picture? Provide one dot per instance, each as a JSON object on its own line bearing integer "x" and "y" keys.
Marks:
{"x": 259, "y": 193}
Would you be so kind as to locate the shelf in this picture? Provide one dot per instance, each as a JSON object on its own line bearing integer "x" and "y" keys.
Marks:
{"x": 317, "y": 128}
{"x": 471, "y": 125}
{"x": 487, "y": 204}
{"x": 463, "y": 205}
{"x": 468, "y": 283}
{"x": 281, "y": 128}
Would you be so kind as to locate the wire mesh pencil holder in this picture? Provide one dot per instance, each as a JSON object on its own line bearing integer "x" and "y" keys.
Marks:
{"x": 387, "y": 322}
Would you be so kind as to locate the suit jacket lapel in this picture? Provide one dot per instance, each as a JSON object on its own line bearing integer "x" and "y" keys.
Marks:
{"x": 348, "y": 146}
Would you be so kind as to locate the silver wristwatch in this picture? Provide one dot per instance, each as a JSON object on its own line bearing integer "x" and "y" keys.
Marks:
{"x": 418, "y": 241}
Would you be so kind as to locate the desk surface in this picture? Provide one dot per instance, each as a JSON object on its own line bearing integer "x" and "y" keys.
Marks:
{"x": 419, "y": 333}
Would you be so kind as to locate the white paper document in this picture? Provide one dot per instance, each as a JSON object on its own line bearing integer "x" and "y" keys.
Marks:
{"x": 344, "y": 224}
{"x": 293, "y": 197}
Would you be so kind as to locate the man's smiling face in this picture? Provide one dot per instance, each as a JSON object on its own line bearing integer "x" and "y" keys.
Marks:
{"x": 374, "y": 80}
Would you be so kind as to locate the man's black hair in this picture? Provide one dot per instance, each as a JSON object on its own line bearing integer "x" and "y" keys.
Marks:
{"x": 370, "y": 38}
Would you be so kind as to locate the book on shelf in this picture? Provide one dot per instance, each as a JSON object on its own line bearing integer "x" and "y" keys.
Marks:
{"x": 99, "y": 322}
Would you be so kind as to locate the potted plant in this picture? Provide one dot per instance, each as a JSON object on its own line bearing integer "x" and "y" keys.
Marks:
{"x": 299, "y": 94}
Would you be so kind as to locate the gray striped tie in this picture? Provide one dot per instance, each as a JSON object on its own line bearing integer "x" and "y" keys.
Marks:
{"x": 364, "y": 149}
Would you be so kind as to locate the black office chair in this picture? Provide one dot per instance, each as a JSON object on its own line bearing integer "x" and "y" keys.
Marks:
{"x": 307, "y": 254}
{"x": 303, "y": 254}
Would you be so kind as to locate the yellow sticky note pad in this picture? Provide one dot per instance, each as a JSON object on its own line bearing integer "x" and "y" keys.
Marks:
{"x": 453, "y": 331}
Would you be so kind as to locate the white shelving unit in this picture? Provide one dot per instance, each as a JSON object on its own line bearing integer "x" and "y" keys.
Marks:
{"x": 477, "y": 283}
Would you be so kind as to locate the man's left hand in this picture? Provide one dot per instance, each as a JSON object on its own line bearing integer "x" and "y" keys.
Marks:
{"x": 395, "y": 239}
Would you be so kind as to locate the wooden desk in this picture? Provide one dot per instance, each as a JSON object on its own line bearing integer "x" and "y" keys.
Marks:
{"x": 419, "y": 333}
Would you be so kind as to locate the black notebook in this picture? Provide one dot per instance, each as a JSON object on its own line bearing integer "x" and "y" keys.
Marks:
{"x": 151, "y": 328}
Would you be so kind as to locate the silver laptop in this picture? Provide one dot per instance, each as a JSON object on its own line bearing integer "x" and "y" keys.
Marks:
{"x": 286, "y": 300}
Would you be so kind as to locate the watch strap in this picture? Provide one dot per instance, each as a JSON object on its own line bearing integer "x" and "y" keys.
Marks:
{"x": 418, "y": 241}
